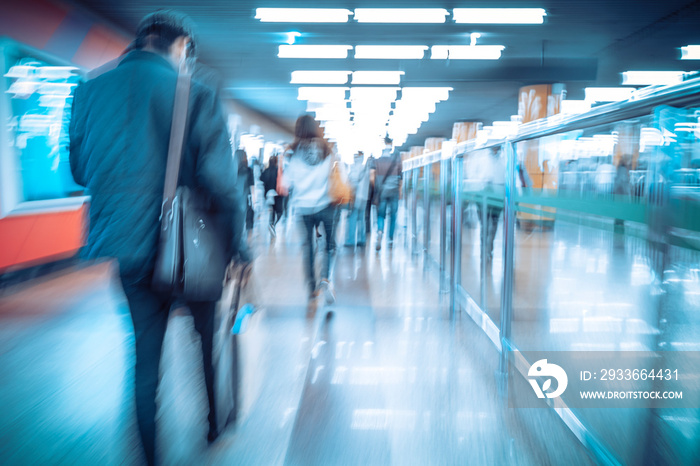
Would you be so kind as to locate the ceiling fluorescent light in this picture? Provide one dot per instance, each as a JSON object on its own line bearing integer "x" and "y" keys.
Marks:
{"x": 323, "y": 114}
{"x": 322, "y": 94}
{"x": 312, "y": 106}
{"x": 651, "y": 78}
{"x": 373, "y": 93}
{"x": 499, "y": 15}
{"x": 466, "y": 52}
{"x": 690, "y": 52}
{"x": 425, "y": 93}
{"x": 314, "y": 51}
{"x": 320, "y": 77}
{"x": 377, "y": 77}
{"x": 574, "y": 107}
{"x": 607, "y": 94}
{"x": 390, "y": 52}
{"x": 400, "y": 15}
{"x": 302, "y": 15}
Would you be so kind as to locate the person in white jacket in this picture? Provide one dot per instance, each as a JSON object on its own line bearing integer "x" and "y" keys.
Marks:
{"x": 306, "y": 178}
{"x": 359, "y": 180}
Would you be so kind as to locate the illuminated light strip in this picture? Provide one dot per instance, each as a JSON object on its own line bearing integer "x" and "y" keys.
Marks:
{"x": 320, "y": 77}
{"x": 377, "y": 77}
{"x": 373, "y": 93}
{"x": 499, "y": 15}
{"x": 690, "y": 52}
{"x": 400, "y": 15}
{"x": 649, "y": 78}
{"x": 390, "y": 52}
{"x": 322, "y": 94}
{"x": 314, "y": 51}
{"x": 466, "y": 52}
{"x": 302, "y": 15}
{"x": 607, "y": 94}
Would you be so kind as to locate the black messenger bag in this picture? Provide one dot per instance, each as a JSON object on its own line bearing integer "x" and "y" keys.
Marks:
{"x": 191, "y": 259}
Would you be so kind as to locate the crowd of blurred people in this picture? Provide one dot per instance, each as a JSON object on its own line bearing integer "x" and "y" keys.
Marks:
{"x": 119, "y": 152}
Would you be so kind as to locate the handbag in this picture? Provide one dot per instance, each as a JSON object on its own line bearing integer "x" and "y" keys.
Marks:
{"x": 339, "y": 189}
{"x": 190, "y": 261}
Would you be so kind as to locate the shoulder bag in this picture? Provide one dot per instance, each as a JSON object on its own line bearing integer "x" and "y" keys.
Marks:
{"x": 339, "y": 190}
{"x": 191, "y": 259}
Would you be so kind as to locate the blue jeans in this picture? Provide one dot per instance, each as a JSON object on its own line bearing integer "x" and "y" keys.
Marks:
{"x": 392, "y": 204}
{"x": 355, "y": 232}
{"x": 311, "y": 221}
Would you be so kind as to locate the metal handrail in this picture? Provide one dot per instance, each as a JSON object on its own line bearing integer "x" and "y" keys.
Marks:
{"x": 682, "y": 94}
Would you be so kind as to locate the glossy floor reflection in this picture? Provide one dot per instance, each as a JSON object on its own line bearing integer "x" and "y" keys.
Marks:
{"x": 382, "y": 377}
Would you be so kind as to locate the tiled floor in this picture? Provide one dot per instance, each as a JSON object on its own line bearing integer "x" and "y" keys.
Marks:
{"x": 382, "y": 377}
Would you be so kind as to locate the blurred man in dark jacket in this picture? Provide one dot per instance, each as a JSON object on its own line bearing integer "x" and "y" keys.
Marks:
{"x": 119, "y": 137}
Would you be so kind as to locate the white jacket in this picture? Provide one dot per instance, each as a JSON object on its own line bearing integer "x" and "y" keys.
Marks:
{"x": 306, "y": 177}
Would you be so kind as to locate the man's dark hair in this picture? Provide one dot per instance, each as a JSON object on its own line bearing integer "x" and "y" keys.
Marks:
{"x": 161, "y": 28}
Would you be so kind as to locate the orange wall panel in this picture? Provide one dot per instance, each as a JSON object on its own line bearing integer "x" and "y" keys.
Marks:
{"x": 29, "y": 238}
{"x": 100, "y": 46}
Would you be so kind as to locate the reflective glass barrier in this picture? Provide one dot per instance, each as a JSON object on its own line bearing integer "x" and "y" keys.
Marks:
{"x": 582, "y": 236}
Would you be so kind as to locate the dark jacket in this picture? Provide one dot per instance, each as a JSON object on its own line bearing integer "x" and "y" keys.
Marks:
{"x": 119, "y": 135}
{"x": 269, "y": 178}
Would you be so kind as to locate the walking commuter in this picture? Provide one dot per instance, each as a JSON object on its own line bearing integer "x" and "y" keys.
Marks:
{"x": 491, "y": 171}
{"x": 275, "y": 201}
{"x": 359, "y": 179}
{"x": 371, "y": 198}
{"x": 247, "y": 182}
{"x": 307, "y": 178}
{"x": 119, "y": 137}
{"x": 387, "y": 186}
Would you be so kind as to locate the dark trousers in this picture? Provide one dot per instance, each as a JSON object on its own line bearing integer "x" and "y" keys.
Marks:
{"x": 149, "y": 314}
{"x": 493, "y": 214}
{"x": 277, "y": 210}
{"x": 327, "y": 217}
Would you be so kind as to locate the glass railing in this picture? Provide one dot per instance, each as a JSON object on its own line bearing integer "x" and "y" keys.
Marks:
{"x": 580, "y": 236}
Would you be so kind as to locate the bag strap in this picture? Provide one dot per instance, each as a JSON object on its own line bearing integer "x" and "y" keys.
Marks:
{"x": 177, "y": 136}
{"x": 391, "y": 167}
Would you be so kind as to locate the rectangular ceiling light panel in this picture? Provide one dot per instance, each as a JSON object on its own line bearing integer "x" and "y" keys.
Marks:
{"x": 425, "y": 93}
{"x": 377, "y": 77}
{"x": 390, "y": 52}
{"x": 302, "y": 15}
{"x": 374, "y": 94}
{"x": 314, "y": 51}
{"x": 466, "y": 52}
{"x": 651, "y": 78}
{"x": 320, "y": 77}
{"x": 690, "y": 52}
{"x": 607, "y": 94}
{"x": 400, "y": 15}
{"x": 499, "y": 15}
{"x": 322, "y": 94}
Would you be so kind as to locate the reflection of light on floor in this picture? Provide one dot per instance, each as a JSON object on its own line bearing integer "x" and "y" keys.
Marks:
{"x": 685, "y": 346}
{"x": 633, "y": 346}
{"x": 564, "y": 325}
{"x": 640, "y": 274}
{"x": 602, "y": 324}
{"x": 383, "y": 419}
{"x": 317, "y": 349}
{"x": 593, "y": 347}
{"x": 378, "y": 375}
